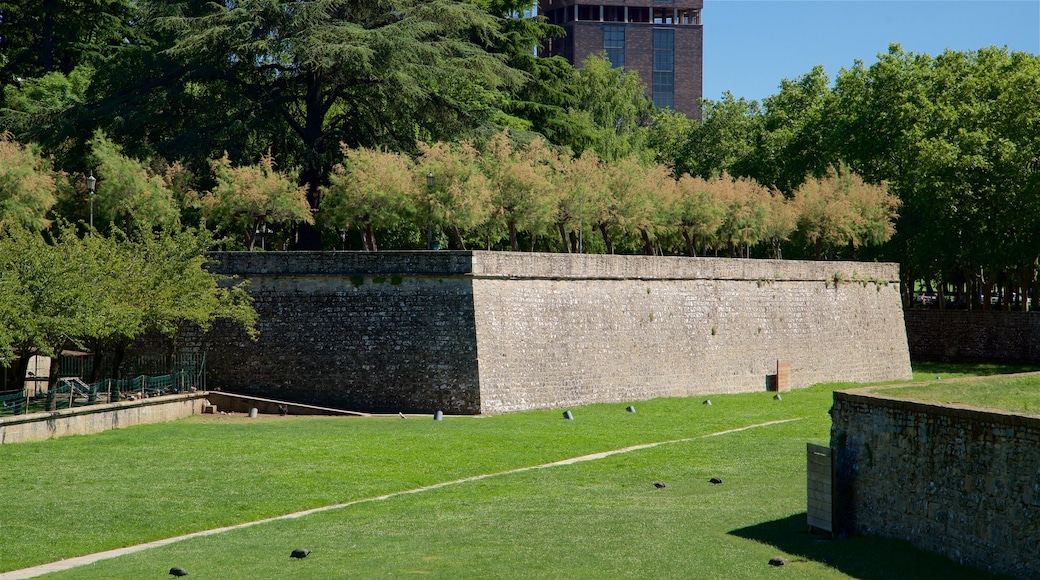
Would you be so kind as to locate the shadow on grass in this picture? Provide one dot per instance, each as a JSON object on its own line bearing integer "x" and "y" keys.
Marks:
{"x": 866, "y": 557}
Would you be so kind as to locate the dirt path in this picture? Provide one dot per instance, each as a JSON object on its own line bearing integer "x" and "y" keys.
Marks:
{"x": 70, "y": 563}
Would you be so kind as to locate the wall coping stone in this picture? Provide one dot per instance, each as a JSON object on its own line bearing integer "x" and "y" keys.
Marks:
{"x": 868, "y": 396}
{"x": 554, "y": 266}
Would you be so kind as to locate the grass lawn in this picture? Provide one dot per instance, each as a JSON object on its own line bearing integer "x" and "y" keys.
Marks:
{"x": 1017, "y": 394}
{"x": 595, "y": 519}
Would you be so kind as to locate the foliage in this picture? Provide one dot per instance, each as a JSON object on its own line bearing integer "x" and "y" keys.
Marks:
{"x": 840, "y": 209}
{"x": 182, "y": 292}
{"x": 27, "y": 185}
{"x": 370, "y": 189}
{"x": 461, "y": 196}
{"x": 364, "y": 74}
{"x": 724, "y": 141}
{"x": 613, "y": 107}
{"x": 522, "y": 176}
{"x": 103, "y": 292}
{"x": 130, "y": 191}
{"x": 251, "y": 196}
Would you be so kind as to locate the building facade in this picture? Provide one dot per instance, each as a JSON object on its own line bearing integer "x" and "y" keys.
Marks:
{"x": 663, "y": 40}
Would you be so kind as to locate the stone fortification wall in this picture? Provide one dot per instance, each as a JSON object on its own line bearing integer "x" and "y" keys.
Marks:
{"x": 390, "y": 331}
{"x": 491, "y": 332}
{"x": 973, "y": 335}
{"x": 960, "y": 482}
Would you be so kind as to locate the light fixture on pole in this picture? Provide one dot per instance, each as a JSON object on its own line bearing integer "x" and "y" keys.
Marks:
{"x": 91, "y": 183}
{"x": 429, "y": 212}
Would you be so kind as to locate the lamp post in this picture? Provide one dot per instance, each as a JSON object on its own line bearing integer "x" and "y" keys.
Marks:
{"x": 91, "y": 183}
{"x": 429, "y": 212}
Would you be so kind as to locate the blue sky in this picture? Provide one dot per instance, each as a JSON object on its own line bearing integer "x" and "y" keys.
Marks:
{"x": 750, "y": 45}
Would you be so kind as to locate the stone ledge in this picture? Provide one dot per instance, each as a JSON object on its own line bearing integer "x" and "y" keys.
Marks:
{"x": 530, "y": 265}
{"x": 867, "y": 396}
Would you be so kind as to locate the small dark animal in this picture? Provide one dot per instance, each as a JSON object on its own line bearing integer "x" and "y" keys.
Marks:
{"x": 659, "y": 485}
{"x": 299, "y": 553}
{"x": 283, "y": 409}
{"x": 715, "y": 480}
{"x": 177, "y": 571}
{"x": 777, "y": 561}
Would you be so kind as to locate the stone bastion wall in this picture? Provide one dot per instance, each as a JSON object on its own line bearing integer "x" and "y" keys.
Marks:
{"x": 956, "y": 481}
{"x": 495, "y": 332}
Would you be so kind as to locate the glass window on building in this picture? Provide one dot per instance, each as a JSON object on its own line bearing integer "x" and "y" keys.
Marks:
{"x": 588, "y": 12}
{"x": 664, "y": 68}
{"x": 614, "y": 45}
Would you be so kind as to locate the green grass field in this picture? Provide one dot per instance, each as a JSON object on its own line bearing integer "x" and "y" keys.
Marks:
{"x": 596, "y": 519}
{"x": 1016, "y": 394}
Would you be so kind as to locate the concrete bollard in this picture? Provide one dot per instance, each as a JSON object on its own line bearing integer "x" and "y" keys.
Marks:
{"x": 567, "y": 415}
{"x": 252, "y": 413}
{"x": 438, "y": 416}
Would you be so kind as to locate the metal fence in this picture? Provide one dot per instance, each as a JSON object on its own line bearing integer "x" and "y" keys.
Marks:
{"x": 187, "y": 373}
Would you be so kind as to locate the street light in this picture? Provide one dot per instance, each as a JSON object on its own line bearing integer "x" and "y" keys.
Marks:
{"x": 429, "y": 212}
{"x": 91, "y": 182}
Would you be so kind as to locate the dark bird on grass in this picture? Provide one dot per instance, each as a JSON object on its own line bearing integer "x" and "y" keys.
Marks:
{"x": 777, "y": 561}
{"x": 177, "y": 571}
{"x": 659, "y": 485}
{"x": 299, "y": 553}
{"x": 715, "y": 480}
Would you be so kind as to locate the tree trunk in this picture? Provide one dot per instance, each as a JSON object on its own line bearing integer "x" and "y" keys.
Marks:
{"x": 563, "y": 237}
{"x": 574, "y": 242}
{"x": 371, "y": 234}
{"x": 691, "y": 244}
{"x": 458, "y": 237}
{"x": 818, "y": 248}
{"x": 987, "y": 283}
{"x": 852, "y": 250}
{"x": 648, "y": 246}
{"x": 606, "y": 238}
{"x": 513, "y": 242}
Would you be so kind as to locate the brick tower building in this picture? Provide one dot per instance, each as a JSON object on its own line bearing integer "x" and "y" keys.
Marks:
{"x": 661, "y": 39}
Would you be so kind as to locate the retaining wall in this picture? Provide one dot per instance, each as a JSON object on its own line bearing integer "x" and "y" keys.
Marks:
{"x": 973, "y": 335}
{"x": 98, "y": 418}
{"x": 494, "y": 332}
{"x": 959, "y": 482}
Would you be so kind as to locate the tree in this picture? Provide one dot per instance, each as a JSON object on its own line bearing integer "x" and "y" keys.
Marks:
{"x": 745, "y": 206}
{"x": 725, "y": 141}
{"x": 249, "y": 197}
{"x": 370, "y": 189}
{"x": 49, "y": 289}
{"x": 461, "y": 195}
{"x": 579, "y": 181}
{"x": 841, "y": 210}
{"x": 130, "y": 191}
{"x": 338, "y": 71}
{"x": 797, "y": 140}
{"x": 521, "y": 198}
{"x": 612, "y": 105}
{"x": 27, "y": 185}
{"x": 699, "y": 212}
{"x": 182, "y": 292}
